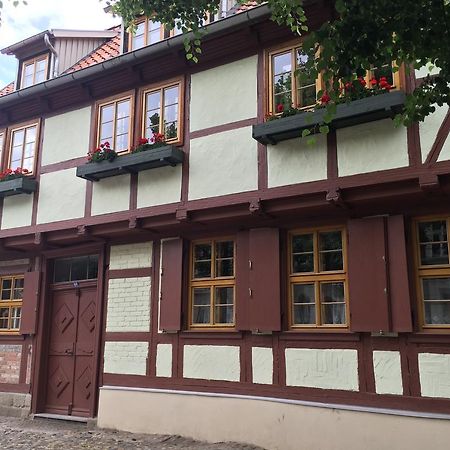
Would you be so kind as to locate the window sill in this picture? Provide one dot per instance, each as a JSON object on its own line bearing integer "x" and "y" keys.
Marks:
{"x": 17, "y": 186}
{"x": 168, "y": 155}
{"x": 359, "y": 111}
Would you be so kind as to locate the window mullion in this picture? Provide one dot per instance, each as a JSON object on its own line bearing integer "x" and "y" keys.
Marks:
{"x": 161, "y": 115}
{"x": 212, "y": 319}
{"x": 293, "y": 80}
{"x": 318, "y": 305}
{"x": 116, "y": 106}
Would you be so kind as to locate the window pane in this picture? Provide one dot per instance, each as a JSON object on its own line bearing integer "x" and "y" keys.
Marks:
{"x": 223, "y": 301}
{"x": 303, "y": 293}
{"x": 107, "y": 113}
{"x": 171, "y": 113}
{"x": 4, "y": 314}
{"x": 333, "y": 314}
{"x": 93, "y": 267}
{"x": 18, "y": 137}
{"x": 202, "y": 261}
{"x": 224, "y": 259}
{"x": 436, "y": 288}
{"x": 15, "y": 318}
{"x": 303, "y": 256}
{"x": 304, "y": 315}
{"x": 306, "y": 96}
{"x": 436, "y": 294}
{"x": 153, "y": 100}
{"x": 330, "y": 240}
{"x": 224, "y": 295}
{"x": 138, "y": 40}
{"x": 384, "y": 71}
{"x": 171, "y": 95}
{"x": 18, "y": 289}
{"x": 171, "y": 130}
{"x": 282, "y": 63}
{"x": 123, "y": 109}
{"x": 201, "y": 305}
{"x": 62, "y": 270}
{"x": 330, "y": 245}
{"x": 433, "y": 242}
{"x": 79, "y": 268}
{"x": 437, "y": 313}
{"x": 121, "y": 143}
{"x": 333, "y": 303}
{"x": 224, "y": 314}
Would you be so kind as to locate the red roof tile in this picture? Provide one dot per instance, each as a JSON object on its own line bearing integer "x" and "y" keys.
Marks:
{"x": 108, "y": 50}
{"x": 7, "y": 89}
{"x": 246, "y": 6}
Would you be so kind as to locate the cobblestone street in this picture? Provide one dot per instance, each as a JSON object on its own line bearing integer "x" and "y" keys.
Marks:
{"x": 27, "y": 434}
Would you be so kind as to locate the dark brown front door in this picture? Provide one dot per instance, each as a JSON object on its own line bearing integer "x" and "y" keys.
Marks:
{"x": 70, "y": 380}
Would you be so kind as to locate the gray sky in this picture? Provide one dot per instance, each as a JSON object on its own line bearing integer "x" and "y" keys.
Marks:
{"x": 39, "y": 15}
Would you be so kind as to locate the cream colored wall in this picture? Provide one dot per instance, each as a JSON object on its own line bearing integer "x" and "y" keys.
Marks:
{"x": 126, "y": 358}
{"x": 425, "y": 70}
{"x": 434, "y": 372}
{"x": 224, "y": 94}
{"x": 429, "y": 128}
{"x": 370, "y": 147}
{"x": 62, "y": 196}
{"x": 159, "y": 186}
{"x": 211, "y": 362}
{"x": 17, "y": 211}
{"x": 66, "y": 136}
{"x": 131, "y": 256}
{"x": 270, "y": 424}
{"x": 294, "y": 161}
{"x": 111, "y": 195}
{"x": 324, "y": 369}
{"x": 223, "y": 163}
{"x": 164, "y": 360}
{"x": 262, "y": 365}
{"x": 388, "y": 372}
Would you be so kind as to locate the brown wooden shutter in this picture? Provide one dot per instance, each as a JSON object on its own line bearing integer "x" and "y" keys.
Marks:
{"x": 242, "y": 280}
{"x": 264, "y": 279}
{"x": 367, "y": 275}
{"x": 30, "y": 301}
{"x": 171, "y": 284}
{"x": 399, "y": 293}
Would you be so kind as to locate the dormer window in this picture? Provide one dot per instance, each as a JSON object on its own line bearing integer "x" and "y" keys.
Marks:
{"x": 34, "y": 71}
{"x": 147, "y": 33}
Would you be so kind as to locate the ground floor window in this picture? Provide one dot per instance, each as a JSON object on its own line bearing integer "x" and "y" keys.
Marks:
{"x": 11, "y": 291}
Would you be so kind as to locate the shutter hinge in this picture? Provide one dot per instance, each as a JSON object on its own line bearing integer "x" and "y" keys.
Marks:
{"x": 250, "y": 292}
{"x": 250, "y": 264}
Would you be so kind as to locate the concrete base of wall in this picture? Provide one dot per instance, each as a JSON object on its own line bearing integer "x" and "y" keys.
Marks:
{"x": 15, "y": 405}
{"x": 270, "y": 424}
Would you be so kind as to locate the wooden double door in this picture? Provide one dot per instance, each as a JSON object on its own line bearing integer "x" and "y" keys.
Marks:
{"x": 70, "y": 382}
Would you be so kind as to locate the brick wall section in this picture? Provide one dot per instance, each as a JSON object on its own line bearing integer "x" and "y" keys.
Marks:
{"x": 10, "y": 356}
{"x": 128, "y": 358}
{"x": 128, "y": 305}
{"x": 132, "y": 256}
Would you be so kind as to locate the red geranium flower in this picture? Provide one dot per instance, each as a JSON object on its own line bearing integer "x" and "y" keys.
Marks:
{"x": 280, "y": 108}
{"x": 143, "y": 141}
{"x": 325, "y": 98}
{"x": 348, "y": 86}
{"x": 374, "y": 82}
{"x": 362, "y": 81}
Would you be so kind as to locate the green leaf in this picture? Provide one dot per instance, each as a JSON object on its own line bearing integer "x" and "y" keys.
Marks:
{"x": 324, "y": 129}
{"x": 306, "y": 132}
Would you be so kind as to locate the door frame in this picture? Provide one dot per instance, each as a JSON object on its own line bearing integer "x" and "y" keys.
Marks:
{"x": 40, "y": 352}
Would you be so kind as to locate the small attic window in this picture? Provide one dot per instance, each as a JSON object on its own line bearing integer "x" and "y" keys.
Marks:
{"x": 34, "y": 70}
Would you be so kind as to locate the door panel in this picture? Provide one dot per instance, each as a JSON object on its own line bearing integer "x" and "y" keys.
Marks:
{"x": 70, "y": 373}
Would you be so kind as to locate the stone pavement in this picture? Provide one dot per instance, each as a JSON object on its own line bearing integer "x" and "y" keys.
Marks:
{"x": 40, "y": 434}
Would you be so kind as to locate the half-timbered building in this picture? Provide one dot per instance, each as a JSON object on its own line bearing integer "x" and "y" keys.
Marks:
{"x": 235, "y": 283}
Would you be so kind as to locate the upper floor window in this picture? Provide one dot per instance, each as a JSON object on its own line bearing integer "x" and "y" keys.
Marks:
{"x": 11, "y": 291}
{"x": 162, "y": 112}
{"x": 77, "y": 268}
{"x": 23, "y": 146}
{"x": 34, "y": 71}
{"x": 287, "y": 88}
{"x": 212, "y": 283}
{"x": 433, "y": 272}
{"x": 147, "y": 32}
{"x": 318, "y": 279}
{"x": 114, "y": 123}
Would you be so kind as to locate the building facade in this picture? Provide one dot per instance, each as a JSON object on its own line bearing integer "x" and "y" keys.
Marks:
{"x": 235, "y": 283}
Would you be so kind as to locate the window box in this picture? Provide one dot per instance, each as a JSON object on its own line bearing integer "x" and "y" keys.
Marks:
{"x": 132, "y": 163}
{"x": 359, "y": 111}
{"x": 17, "y": 186}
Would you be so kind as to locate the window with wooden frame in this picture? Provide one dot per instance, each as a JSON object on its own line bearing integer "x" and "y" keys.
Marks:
{"x": 433, "y": 272}
{"x": 114, "y": 123}
{"x": 23, "y": 144}
{"x": 162, "y": 111}
{"x": 387, "y": 71}
{"x": 2, "y": 143}
{"x": 147, "y": 32}
{"x": 11, "y": 292}
{"x": 34, "y": 71}
{"x": 287, "y": 88}
{"x": 318, "y": 294}
{"x": 212, "y": 284}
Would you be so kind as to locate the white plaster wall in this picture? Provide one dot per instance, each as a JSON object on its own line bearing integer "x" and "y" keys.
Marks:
{"x": 370, "y": 147}
{"x": 388, "y": 372}
{"x": 223, "y": 163}
{"x": 159, "y": 186}
{"x": 17, "y": 211}
{"x": 267, "y": 424}
{"x": 224, "y": 94}
{"x": 212, "y": 362}
{"x": 128, "y": 305}
{"x": 324, "y": 369}
{"x": 429, "y": 128}
{"x": 66, "y": 136}
{"x": 294, "y": 161}
{"x": 434, "y": 372}
{"x": 164, "y": 360}
{"x": 262, "y": 365}
{"x": 62, "y": 196}
{"x": 131, "y": 256}
{"x": 127, "y": 358}
{"x": 111, "y": 195}
{"x": 425, "y": 70}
